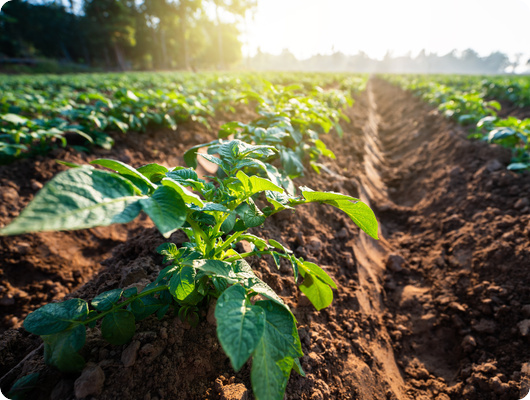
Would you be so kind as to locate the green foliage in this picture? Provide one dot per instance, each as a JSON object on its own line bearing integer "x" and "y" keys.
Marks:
{"x": 215, "y": 213}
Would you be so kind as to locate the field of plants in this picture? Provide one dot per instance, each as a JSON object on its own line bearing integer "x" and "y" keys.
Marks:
{"x": 281, "y": 235}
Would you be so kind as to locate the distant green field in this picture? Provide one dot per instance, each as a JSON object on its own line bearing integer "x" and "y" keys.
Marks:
{"x": 37, "y": 111}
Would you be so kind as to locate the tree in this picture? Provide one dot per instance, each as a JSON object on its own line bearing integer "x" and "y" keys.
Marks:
{"x": 237, "y": 8}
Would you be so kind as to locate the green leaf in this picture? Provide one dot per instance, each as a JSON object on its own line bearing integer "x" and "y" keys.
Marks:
{"x": 318, "y": 292}
{"x": 60, "y": 349}
{"x": 106, "y": 300}
{"x": 358, "y": 211}
{"x": 274, "y": 356}
{"x": 153, "y": 172}
{"x": 14, "y": 119}
{"x": 77, "y": 199}
{"x": 167, "y": 210}
{"x": 142, "y": 182}
{"x": 182, "y": 283}
{"x": 23, "y": 386}
{"x": 255, "y": 184}
{"x": 118, "y": 327}
{"x": 361, "y": 214}
{"x": 229, "y": 223}
{"x": 253, "y": 216}
{"x": 187, "y": 195}
{"x": 56, "y": 317}
{"x": 298, "y": 367}
{"x": 318, "y": 272}
{"x": 239, "y": 325}
{"x": 215, "y": 267}
{"x": 144, "y": 307}
{"x": 323, "y": 197}
{"x": 257, "y": 285}
{"x": 130, "y": 292}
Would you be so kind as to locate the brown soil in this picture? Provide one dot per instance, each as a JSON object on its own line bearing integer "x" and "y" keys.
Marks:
{"x": 437, "y": 309}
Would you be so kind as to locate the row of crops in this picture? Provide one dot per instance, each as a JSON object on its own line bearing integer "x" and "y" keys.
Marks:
{"x": 475, "y": 102}
{"x": 256, "y": 162}
{"x": 38, "y": 113}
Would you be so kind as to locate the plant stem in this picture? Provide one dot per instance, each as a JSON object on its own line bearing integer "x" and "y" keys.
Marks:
{"x": 228, "y": 242}
{"x": 126, "y": 302}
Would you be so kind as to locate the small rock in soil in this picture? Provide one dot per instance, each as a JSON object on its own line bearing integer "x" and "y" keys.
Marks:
{"x": 7, "y": 300}
{"x": 469, "y": 343}
{"x": 234, "y": 392}
{"x": 485, "y": 326}
{"x": 315, "y": 244}
{"x": 90, "y": 382}
{"x": 395, "y": 263}
{"x": 128, "y": 357}
{"x": 524, "y": 327}
{"x": 493, "y": 165}
{"x": 521, "y": 203}
{"x": 36, "y": 185}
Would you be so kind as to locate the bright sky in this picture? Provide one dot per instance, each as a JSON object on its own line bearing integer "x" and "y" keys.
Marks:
{"x": 308, "y": 27}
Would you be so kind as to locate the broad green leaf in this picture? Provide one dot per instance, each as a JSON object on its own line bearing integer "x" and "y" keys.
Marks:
{"x": 239, "y": 325}
{"x": 253, "y": 216}
{"x": 318, "y": 292}
{"x": 187, "y": 196}
{"x": 60, "y": 349}
{"x": 143, "y": 183}
{"x": 153, "y": 172}
{"x": 318, "y": 272}
{"x": 118, "y": 327}
{"x": 77, "y": 199}
{"x": 56, "y": 317}
{"x": 167, "y": 210}
{"x": 22, "y": 386}
{"x": 14, "y": 119}
{"x": 106, "y": 300}
{"x": 229, "y": 223}
{"x": 269, "y": 377}
{"x": 257, "y": 285}
{"x": 274, "y": 356}
{"x": 312, "y": 196}
{"x": 130, "y": 292}
{"x": 183, "y": 174}
{"x": 280, "y": 327}
{"x": 144, "y": 307}
{"x": 182, "y": 283}
{"x": 255, "y": 184}
{"x": 215, "y": 267}
{"x": 361, "y": 214}
{"x": 358, "y": 211}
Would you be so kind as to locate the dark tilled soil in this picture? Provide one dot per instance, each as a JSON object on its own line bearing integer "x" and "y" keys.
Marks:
{"x": 437, "y": 309}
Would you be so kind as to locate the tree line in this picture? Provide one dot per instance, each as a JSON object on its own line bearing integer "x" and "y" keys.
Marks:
{"x": 125, "y": 34}
{"x": 454, "y": 62}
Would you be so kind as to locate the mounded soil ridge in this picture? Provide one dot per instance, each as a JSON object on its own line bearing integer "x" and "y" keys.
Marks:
{"x": 438, "y": 308}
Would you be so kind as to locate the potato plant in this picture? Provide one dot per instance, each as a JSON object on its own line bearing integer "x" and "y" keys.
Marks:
{"x": 252, "y": 320}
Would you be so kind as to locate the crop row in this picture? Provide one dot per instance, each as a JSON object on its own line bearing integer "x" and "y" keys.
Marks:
{"x": 37, "y": 113}
{"x": 471, "y": 102}
{"x": 253, "y": 182}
